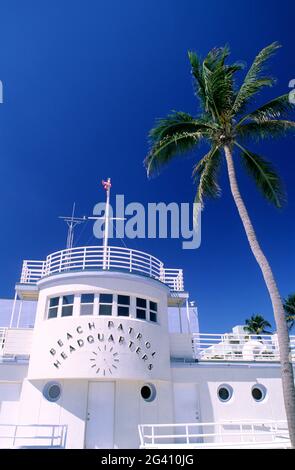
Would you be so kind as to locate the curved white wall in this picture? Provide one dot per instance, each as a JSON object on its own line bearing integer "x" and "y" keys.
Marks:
{"x": 100, "y": 347}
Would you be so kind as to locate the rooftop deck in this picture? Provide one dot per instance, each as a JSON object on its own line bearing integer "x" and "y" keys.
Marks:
{"x": 92, "y": 258}
{"x": 15, "y": 344}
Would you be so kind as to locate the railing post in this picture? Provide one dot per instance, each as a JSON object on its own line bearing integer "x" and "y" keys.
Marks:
{"x": 162, "y": 273}
{"x": 84, "y": 258}
{"x": 14, "y": 435}
{"x": 130, "y": 261}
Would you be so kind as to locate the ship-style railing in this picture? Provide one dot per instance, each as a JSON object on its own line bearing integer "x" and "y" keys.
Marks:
{"x": 238, "y": 347}
{"x": 222, "y": 434}
{"x": 32, "y": 436}
{"x": 15, "y": 342}
{"x": 94, "y": 258}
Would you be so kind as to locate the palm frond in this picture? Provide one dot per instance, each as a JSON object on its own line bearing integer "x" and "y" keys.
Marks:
{"x": 199, "y": 85}
{"x": 214, "y": 81}
{"x": 164, "y": 150}
{"x": 177, "y": 122}
{"x": 205, "y": 174}
{"x": 274, "y": 109}
{"x": 265, "y": 177}
{"x": 177, "y": 133}
{"x": 254, "y": 81}
{"x": 265, "y": 129}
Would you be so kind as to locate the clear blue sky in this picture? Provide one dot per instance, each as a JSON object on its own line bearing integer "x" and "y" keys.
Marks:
{"x": 83, "y": 83}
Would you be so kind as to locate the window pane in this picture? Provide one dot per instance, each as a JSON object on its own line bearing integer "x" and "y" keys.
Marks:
{"x": 67, "y": 299}
{"x": 140, "y": 303}
{"x": 140, "y": 314}
{"x": 86, "y": 309}
{"x": 154, "y": 306}
{"x": 67, "y": 311}
{"x": 123, "y": 299}
{"x": 52, "y": 312}
{"x": 106, "y": 298}
{"x": 105, "y": 310}
{"x": 153, "y": 316}
{"x": 87, "y": 298}
{"x": 54, "y": 302}
{"x": 123, "y": 311}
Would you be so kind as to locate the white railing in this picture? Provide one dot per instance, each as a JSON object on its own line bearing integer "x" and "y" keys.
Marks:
{"x": 238, "y": 347}
{"x": 92, "y": 258}
{"x": 15, "y": 341}
{"x": 32, "y": 435}
{"x": 32, "y": 271}
{"x": 2, "y": 339}
{"x": 231, "y": 434}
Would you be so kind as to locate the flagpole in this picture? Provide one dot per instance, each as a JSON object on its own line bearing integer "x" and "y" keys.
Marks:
{"x": 107, "y": 187}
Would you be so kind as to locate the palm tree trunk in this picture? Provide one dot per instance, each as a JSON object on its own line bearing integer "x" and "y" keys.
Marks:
{"x": 281, "y": 324}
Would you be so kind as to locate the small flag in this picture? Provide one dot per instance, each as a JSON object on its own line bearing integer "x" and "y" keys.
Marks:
{"x": 106, "y": 184}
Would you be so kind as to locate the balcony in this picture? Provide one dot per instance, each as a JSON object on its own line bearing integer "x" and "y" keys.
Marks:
{"x": 92, "y": 258}
{"x": 238, "y": 347}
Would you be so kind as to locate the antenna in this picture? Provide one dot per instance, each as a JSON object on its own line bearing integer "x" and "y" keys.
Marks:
{"x": 72, "y": 222}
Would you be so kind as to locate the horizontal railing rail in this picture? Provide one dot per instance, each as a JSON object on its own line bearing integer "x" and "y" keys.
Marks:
{"x": 238, "y": 347}
{"x": 33, "y": 435}
{"x": 215, "y": 434}
{"x": 94, "y": 258}
{"x": 15, "y": 342}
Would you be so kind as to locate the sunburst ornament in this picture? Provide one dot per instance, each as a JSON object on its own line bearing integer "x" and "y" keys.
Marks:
{"x": 105, "y": 360}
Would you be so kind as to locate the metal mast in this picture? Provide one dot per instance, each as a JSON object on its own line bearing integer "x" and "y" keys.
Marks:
{"x": 72, "y": 222}
{"x": 107, "y": 186}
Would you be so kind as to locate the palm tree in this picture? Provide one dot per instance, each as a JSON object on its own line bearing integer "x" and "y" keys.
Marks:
{"x": 225, "y": 123}
{"x": 256, "y": 325}
{"x": 289, "y": 307}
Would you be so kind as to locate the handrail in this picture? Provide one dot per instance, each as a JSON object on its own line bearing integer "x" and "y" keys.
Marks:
{"x": 215, "y": 434}
{"x": 92, "y": 258}
{"x": 32, "y": 434}
{"x": 238, "y": 347}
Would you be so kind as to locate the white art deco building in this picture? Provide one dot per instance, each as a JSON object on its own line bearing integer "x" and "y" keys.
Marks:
{"x": 103, "y": 350}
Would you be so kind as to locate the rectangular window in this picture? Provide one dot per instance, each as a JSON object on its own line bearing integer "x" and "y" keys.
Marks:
{"x": 106, "y": 298}
{"x": 67, "y": 305}
{"x": 105, "y": 309}
{"x": 86, "y": 307}
{"x": 141, "y": 314}
{"x": 140, "y": 302}
{"x": 105, "y": 304}
{"x": 153, "y": 311}
{"x": 53, "y": 307}
{"x": 141, "y": 307}
{"x": 123, "y": 305}
{"x": 123, "y": 300}
{"x": 123, "y": 311}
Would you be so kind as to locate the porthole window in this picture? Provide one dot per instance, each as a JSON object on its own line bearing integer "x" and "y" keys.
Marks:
{"x": 258, "y": 392}
{"x": 224, "y": 392}
{"x": 52, "y": 391}
{"x": 148, "y": 392}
